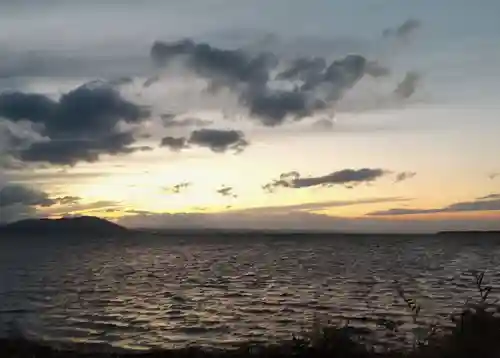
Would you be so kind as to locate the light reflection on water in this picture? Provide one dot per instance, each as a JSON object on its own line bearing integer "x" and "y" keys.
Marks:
{"x": 141, "y": 292}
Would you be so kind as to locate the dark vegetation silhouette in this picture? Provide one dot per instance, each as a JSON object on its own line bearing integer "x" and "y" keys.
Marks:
{"x": 474, "y": 332}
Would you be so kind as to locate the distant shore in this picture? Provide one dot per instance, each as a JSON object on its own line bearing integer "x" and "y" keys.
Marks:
{"x": 88, "y": 225}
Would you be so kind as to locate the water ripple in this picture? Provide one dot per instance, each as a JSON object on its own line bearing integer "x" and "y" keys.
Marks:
{"x": 139, "y": 293}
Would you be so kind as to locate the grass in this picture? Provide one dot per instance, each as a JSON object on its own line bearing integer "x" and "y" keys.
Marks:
{"x": 475, "y": 332}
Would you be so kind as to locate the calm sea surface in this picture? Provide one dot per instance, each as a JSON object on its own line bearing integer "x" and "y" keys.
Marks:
{"x": 143, "y": 292}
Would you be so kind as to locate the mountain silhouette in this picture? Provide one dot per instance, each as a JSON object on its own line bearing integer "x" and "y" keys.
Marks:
{"x": 82, "y": 225}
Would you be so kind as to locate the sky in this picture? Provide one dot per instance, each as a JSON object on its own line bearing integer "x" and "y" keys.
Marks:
{"x": 366, "y": 116}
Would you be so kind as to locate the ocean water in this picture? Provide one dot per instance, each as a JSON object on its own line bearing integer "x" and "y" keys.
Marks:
{"x": 144, "y": 292}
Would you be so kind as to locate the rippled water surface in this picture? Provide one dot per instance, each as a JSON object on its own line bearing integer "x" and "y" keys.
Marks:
{"x": 143, "y": 292}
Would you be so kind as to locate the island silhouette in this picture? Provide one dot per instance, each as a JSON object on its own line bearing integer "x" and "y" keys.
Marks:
{"x": 81, "y": 225}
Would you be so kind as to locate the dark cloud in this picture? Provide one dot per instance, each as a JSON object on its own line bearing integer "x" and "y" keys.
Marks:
{"x": 169, "y": 121}
{"x": 404, "y": 30}
{"x": 68, "y": 200}
{"x": 15, "y": 194}
{"x": 121, "y": 81}
{"x": 36, "y": 108}
{"x": 174, "y": 143}
{"x": 71, "y": 151}
{"x": 341, "y": 177}
{"x": 219, "y": 140}
{"x": 137, "y": 212}
{"x": 80, "y": 208}
{"x": 487, "y": 203}
{"x": 229, "y": 67}
{"x": 318, "y": 90}
{"x": 305, "y": 69}
{"x": 404, "y": 176}
{"x": 177, "y": 188}
{"x": 14, "y": 137}
{"x": 167, "y": 117}
{"x": 343, "y": 74}
{"x": 313, "y": 85}
{"x": 19, "y": 201}
{"x": 489, "y": 197}
{"x": 408, "y": 85}
{"x": 150, "y": 81}
{"x": 375, "y": 69}
{"x": 82, "y": 125}
{"x": 273, "y": 106}
{"x": 227, "y": 191}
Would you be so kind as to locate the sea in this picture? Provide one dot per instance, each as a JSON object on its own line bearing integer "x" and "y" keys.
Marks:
{"x": 145, "y": 291}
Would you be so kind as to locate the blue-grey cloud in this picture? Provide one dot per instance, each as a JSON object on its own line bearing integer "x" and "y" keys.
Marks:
{"x": 174, "y": 143}
{"x": 227, "y": 191}
{"x": 407, "y": 87}
{"x": 15, "y": 194}
{"x": 169, "y": 120}
{"x": 81, "y": 126}
{"x": 486, "y": 203}
{"x": 402, "y": 176}
{"x": 314, "y": 85}
{"x": 229, "y": 66}
{"x": 217, "y": 140}
{"x": 177, "y": 188}
{"x": 341, "y": 177}
{"x": 404, "y": 30}
{"x": 489, "y": 197}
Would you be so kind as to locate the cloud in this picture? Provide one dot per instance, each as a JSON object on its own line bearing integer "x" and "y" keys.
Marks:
{"x": 486, "y": 203}
{"x": 408, "y": 85}
{"x": 490, "y": 196}
{"x": 317, "y": 92}
{"x": 71, "y": 151}
{"x": 137, "y": 212}
{"x": 303, "y": 87}
{"x": 404, "y": 30}
{"x": 226, "y": 191}
{"x": 227, "y": 67}
{"x": 169, "y": 121}
{"x": 305, "y": 69}
{"x": 150, "y": 81}
{"x": 493, "y": 175}
{"x": 345, "y": 176}
{"x": 19, "y": 201}
{"x": 85, "y": 123}
{"x": 35, "y": 107}
{"x": 319, "y": 206}
{"x": 306, "y": 217}
{"x": 404, "y": 176}
{"x": 174, "y": 143}
{"x": 217, "y": 140}
{"x": 177, "y": 188}
{"x": 273, "y": 106}
{"x": 14, "y": 194}
{"x": 375, "y": 69}
{"x": 68, "y": 200}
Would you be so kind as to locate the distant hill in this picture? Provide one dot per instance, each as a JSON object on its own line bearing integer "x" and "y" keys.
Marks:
{"x": 469, "y": 233}
{"x": 82, "y": 225}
